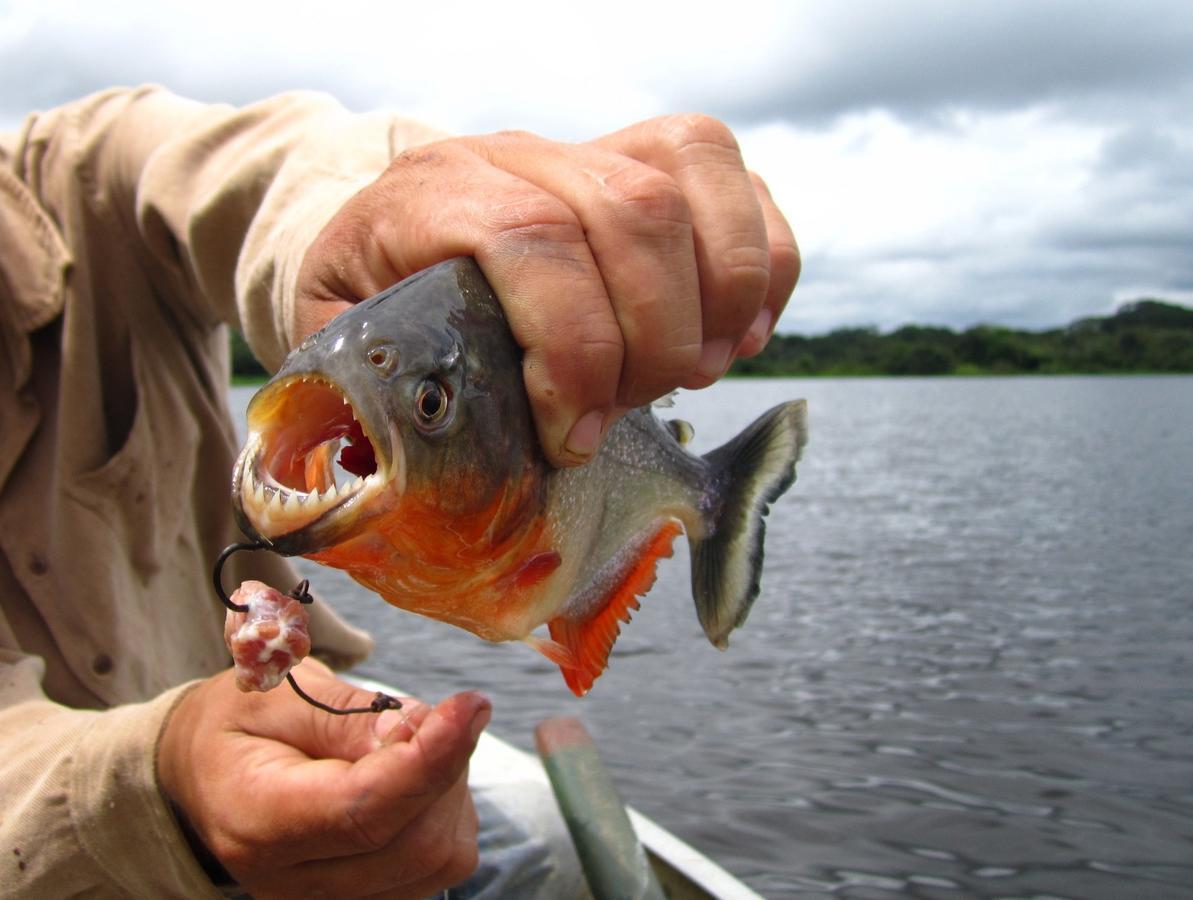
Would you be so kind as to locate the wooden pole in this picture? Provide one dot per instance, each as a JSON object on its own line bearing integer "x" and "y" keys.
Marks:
{"x": 614, "y": 861}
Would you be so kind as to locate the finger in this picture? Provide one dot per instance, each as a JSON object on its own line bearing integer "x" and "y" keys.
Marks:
{"x": 638, "y": 227}
{"x": 437, "y": 849}
{"x": 323, "y": 809}
{"x": 531, "y": 246}
{"x": 386, "y": 790}
{"x": 784, "y": 269}
{"x": 284, "y": 717}
{"x": 732, "y": 256}
{"x": 461, "y": 864}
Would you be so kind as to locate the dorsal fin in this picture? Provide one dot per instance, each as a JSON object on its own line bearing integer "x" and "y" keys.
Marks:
{"x": 589, "y": 641}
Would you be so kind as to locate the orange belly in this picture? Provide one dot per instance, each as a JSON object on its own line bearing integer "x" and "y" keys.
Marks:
{"x": 483, "y": 571}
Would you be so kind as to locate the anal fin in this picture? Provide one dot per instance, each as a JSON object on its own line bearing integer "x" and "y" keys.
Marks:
{"x": 590, "y": 640}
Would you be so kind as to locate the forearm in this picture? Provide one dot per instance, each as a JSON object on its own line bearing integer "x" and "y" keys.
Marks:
{"x": 82, "y": 810}
{"x": 221, "y": 202}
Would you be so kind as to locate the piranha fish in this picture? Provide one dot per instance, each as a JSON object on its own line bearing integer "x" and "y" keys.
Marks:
{"x": 454, "y": 513}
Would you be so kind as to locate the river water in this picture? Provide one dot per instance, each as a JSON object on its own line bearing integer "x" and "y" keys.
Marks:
{"x": 970, "y": 671}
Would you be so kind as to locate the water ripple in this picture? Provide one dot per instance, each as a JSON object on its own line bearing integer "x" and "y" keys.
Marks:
{"x": 968, "y": 671}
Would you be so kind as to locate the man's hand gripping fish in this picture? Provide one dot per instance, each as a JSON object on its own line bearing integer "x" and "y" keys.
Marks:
{"x": 455, "y": 514}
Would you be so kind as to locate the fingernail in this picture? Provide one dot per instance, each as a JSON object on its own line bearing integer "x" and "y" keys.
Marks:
{"x": 479, "y": 720}
{"x": 714, "y": 358}
{"x": 585, "y": 434}
{"x": 478, "y": 723}
{"x": 390, "y": 725}
{"x": 760, "y": 330}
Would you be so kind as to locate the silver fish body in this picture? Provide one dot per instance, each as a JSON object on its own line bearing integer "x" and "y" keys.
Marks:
{"x": 454, "y": 512}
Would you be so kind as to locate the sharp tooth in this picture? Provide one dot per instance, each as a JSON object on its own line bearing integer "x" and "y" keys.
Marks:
{"x": 259, "y": 494}
{"x": 358, "y": 484}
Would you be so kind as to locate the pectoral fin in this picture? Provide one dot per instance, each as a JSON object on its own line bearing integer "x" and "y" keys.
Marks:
{"x": 581, "y": 647}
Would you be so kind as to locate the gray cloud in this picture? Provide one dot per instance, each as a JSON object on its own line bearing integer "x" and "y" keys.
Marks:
{"x": 1120, "y": 73}
{"x": 64, "y": 60}
{"x": 921, "y": 59}
{"x": 1124, "y": 72}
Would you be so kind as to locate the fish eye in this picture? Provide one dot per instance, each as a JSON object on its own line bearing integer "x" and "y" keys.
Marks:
{"x": 383, "y": 358}
{"x": 430, "y": 403}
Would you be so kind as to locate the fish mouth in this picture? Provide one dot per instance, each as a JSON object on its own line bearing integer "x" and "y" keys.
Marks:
{"x": 311, "y": 467}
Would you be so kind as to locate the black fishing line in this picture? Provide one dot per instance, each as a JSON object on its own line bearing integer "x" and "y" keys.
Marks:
{"x": 301, "y": 593}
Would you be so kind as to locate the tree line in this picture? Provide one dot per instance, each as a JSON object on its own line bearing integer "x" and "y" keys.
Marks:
{"x": 1143, "y": 336}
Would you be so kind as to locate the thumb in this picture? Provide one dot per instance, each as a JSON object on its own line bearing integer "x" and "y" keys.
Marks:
{"x": 282, "y": 715}
{"x": 397, "y": 782}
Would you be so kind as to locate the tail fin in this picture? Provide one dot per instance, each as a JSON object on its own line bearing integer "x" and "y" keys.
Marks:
{"x": 750, "y": 472}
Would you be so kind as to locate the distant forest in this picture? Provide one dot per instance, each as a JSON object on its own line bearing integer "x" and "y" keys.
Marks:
{"x": 1143, "y": 336}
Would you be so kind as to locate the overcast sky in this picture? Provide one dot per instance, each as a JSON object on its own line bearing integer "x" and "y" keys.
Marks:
{"x": 1021, "y": 163}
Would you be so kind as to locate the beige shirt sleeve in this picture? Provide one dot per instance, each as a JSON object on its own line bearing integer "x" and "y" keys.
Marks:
{"x": 216, "y": 206}
{"x": 88, "y": 819}
{"x": 225, "y": 200}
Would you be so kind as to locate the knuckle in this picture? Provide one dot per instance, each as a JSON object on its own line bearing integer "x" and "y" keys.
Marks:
{"x": 515, "y": 136}
{"x": 680, "y": 359}
{"x": 656, "y": 370}
{"x": 697, "y": 130}
{"x": 734, "y": 286}
{"x": 584, "y": 371}
{"x": 651, "y": 198}
{"x": 533, "y": 219}
{"x": 365, "y": 838}
{"x": 598, "y": 343}
{"x": 786, "y": 261}
{"x": 746, "y": 268}
{"x": 423, "y": 156}
{"x": 596, "y": 349}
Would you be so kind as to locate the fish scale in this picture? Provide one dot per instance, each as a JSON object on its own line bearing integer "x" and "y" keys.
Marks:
{"x": 455, "y": 513}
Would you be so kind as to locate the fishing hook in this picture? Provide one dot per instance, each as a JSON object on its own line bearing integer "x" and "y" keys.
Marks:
{"x": 301, "y": 593}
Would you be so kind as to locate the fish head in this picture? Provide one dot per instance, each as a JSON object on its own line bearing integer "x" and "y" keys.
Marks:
{"x": 410, "y": 400}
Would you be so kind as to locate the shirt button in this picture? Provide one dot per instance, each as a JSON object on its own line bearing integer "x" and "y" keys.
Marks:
{"x": 102, "y": 664}
{"x": 38, "y": 564}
